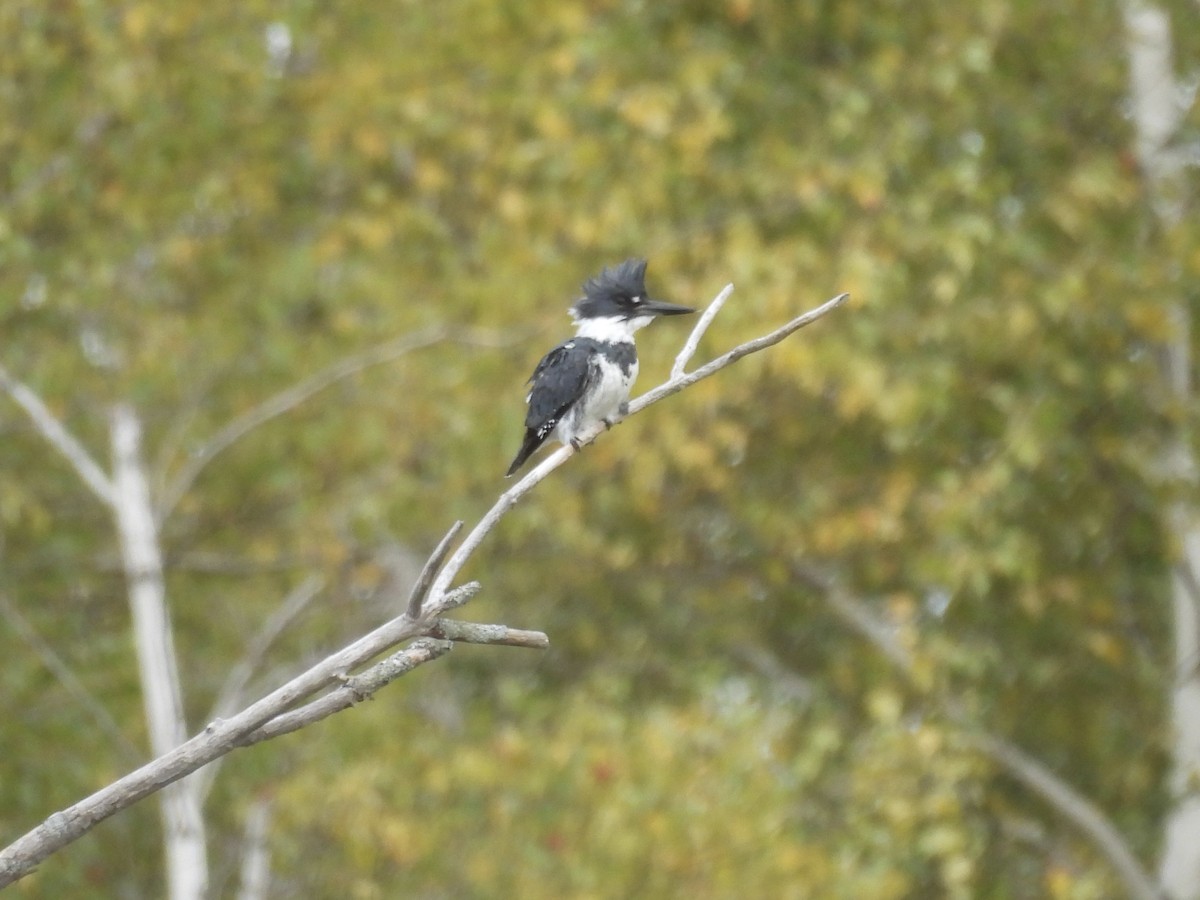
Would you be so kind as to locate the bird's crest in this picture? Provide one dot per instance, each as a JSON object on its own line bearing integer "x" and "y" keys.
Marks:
{"x": 625, "y": 280}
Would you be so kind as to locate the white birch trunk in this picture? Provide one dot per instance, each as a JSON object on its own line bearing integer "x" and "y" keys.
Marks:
{"x": 256, "y": 854}
{"x": 1179, "y": 870}
{"x": 183, "y": 822}
{"x": 1157, "y": 111}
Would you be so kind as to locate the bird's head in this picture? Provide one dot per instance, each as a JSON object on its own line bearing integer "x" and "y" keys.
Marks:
{"x": 618, "y": 294}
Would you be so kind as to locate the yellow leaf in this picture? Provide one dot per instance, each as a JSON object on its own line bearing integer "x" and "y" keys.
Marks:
{"x": 430, "y": 175}
{"x": 650, "y": 108}
{"x": 1104, "y": 646}
{"x": 370, "y": 141}
{"x": 512, "y": 206}
{"x": 136, "y": 22}
{"x": 1058, "y": 882}
{"x": 884, "y": 706}
{"x": 373, "y": 231}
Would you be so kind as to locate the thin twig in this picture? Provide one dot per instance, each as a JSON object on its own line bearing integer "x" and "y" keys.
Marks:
{"x": 56, "y": 434}
{"x": 355, "y": 689}
{"x": 420, "y": 587}
{"x": 287, "y": 400}
{"x": 501, "y": 635}
{"x": 673, "y": 385}
{"x": 282, "y": 402}
{"x": 195, "y": 399}
{"x": 230, "y": 694}
{"x": 267, "y": 717}
{"x": 58, "y": 667}
{"x": 693, "y": 341}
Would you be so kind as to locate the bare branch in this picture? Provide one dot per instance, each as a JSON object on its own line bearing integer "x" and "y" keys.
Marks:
{"x": 421, "y": 586}
{"x": 56, "y": 434}
{"x": 855, "y": 613}
{"x": 459, "y": 596}
{"x": 283, "y": 402}
{"x": 67, "y": 678}
{"x": 693, "y": 341}
{"x": 217, "y": 739}
{"x": 501, "y": 635}
{"x": 355, "y": 689}
{"x": 232, "y": 693}
{"x": 1071, "y": 804}
{"x": 672, "y": 386}
{"x": 675, "y": 385}
{"x": 275, "y": 713}
{"x": 1059, "y": 795}
{"x": 230, "y": 696}
{"x": 287, "y": 400}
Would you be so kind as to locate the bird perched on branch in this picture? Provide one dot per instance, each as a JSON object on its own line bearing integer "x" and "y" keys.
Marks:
{"x": 586, "y": 380}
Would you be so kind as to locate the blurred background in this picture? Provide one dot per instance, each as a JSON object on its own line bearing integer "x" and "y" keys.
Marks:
{"x": 794, "y": 610}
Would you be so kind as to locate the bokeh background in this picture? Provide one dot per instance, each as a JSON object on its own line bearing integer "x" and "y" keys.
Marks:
{"x": 784, "y": 605}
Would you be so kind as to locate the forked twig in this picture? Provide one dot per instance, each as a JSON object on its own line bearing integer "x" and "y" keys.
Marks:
{"x": 671, "y": 386}
{"x": 693, "y": 341}
{"x": 420, "y": 587}
{"x": 284, "y": 709}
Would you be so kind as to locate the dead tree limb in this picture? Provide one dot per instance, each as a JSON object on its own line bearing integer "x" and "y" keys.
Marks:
{"x": 672, "y": 385}
{"x": 287, "y": 708}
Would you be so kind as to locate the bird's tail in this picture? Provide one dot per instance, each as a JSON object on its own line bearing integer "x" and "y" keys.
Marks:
{"x": 531, "y": 443}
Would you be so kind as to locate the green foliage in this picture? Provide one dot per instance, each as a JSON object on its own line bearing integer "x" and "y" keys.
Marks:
{"x": 193, "y": 223}
{"x": 586, "y": 796}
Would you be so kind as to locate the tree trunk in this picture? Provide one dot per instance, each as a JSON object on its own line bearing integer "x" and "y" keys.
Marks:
{"x": 183, "y": 821}
{"x": 256, "y": 854}
{"x": 1157, "y": 112}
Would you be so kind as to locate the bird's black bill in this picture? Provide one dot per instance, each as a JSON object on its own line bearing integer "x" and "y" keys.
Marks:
{"x": 659, "y": 308}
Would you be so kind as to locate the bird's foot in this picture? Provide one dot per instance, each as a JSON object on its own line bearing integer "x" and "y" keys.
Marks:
{"x": 610, "y": 421}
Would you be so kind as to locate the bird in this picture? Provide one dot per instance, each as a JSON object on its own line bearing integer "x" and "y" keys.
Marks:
{"x": 586, "y": 380}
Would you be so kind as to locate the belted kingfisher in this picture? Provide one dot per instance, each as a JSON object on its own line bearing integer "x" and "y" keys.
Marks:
{"x": 586, "y": 379}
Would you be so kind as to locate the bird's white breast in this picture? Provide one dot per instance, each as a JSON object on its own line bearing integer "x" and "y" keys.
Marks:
{"x": 605, "y": 401}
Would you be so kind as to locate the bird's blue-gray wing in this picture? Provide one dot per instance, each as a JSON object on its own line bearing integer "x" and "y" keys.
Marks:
{"x": 559, "y": 380}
